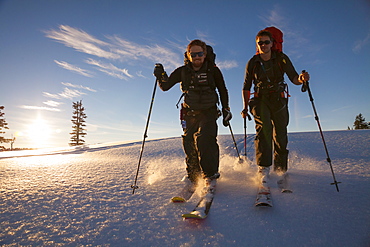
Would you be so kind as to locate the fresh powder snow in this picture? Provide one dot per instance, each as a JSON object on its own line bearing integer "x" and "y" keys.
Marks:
{"x": 83, "y": 196}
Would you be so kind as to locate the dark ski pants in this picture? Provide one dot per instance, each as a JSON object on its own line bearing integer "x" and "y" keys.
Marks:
{"x": 200, "y": 144}
{"x": 271, "y": 118}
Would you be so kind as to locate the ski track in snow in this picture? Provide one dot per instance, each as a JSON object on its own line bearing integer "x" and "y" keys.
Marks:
{"x": 82, "y": 197}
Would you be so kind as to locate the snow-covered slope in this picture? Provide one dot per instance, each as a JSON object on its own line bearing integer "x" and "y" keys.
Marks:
{"x": 83, "y": 197}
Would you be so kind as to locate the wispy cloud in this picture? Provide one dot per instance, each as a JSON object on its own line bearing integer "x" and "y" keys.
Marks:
{"x": 110, "y": 69}
{"x": 342, "y": 108}
{"x": 30, "y": 107}
{"x": 66, "y": 94}
{"x": 228, "y": 64}
{"x": 115, "y": 49}
{"x": 204, "y": 37}
{"x": 359, "y": 44}
{"x": 71, "y": 93}
{"x": 140, "y": 74}
{"x": 135, "y": 52}
{"x": 73, "y": 68}
{"x": 81, "y": 41}
{"x": 78, "y": 86}
{"x": 50, "y": 95}
{"x": 52, "y": 103}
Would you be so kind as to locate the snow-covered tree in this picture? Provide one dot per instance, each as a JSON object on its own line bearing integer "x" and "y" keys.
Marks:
{"x": 360, "y": 123}
{"x": 3, "y": 125}
{"x": 78, "y": 120}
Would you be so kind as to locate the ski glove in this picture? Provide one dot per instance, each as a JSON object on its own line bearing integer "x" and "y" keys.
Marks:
{"x": 226, "y": 114}
{"x": 158, "y": 71}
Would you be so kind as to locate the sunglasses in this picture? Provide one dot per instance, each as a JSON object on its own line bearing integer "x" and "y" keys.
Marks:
{"x": 194, "y": 54}
{"x": 266, "y": 42}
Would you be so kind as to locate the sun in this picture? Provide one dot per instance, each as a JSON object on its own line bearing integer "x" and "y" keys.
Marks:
{"x": 38, "y": 133}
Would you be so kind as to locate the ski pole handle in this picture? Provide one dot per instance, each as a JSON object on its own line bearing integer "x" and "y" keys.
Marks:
{"x": 305, "y": 84}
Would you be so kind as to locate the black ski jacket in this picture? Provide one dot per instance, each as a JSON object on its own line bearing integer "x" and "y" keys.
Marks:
{"x": 198, "y": 86}
{"x": 268, "y": 73}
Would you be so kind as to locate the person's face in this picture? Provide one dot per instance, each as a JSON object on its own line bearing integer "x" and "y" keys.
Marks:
{"x": 194, "y": 55}
{"x": 264, "y": 48}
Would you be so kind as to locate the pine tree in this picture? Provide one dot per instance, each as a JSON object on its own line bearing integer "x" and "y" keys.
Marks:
{"x": 3, "y": 125}
{"x": 360, "y": 123}
{"x": 78, "y": 120}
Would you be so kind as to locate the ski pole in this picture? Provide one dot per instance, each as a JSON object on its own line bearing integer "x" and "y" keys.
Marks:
{"x": 134, "y": 186}
{"x": 245, "y": 137}
{"x": 306, "y": 87}
{"x": 232, "y": 135}
{"x": 245, "y": 134}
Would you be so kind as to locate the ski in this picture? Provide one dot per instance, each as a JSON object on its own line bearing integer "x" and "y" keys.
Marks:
{"x": 263, "y": 197}
{"x": 185, "y": 194}
{"x": 201, "y": 210}
{"x": 283, "y": 184}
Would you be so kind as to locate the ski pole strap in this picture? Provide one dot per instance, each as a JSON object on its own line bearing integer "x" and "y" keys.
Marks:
{"x": 178, "y": 102}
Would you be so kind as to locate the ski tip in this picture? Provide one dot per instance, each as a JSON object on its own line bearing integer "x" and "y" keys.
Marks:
{"x": 177, "y": 199}
{"x": 287, "y": 191}
{"x": 263, "y": 204}
{"x": 193, "y": 216}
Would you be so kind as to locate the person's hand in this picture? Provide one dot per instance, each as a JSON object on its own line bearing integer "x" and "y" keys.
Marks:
{"x": 244, "y": 113}
{"x": 226, "y": 114}
{"x": 304, "y": 76}
{"x": 158, "y": 70}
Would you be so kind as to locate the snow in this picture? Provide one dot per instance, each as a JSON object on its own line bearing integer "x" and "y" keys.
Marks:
{"x": 82, "y": 197}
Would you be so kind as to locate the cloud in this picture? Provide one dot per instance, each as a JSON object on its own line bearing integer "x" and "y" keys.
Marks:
{"x": 140, "y": 74}
{"x": 81, "y": 41}
{"x": 131, "y": 51}
{"x": 52, "y": 103}
{"x": 78, "y": 86}
{"x": 67, "y": 94}
{"x": 110, "y": 69}
{"x": 116, "y": 49}
{"x": 228, "y": 64}
{"x": 30, "y": 107}
{"x": 204, "y": 37}
{"x": 50, "y": 95}
{"x": 73, "y": 68}
{"x": 359, "y": 44}
{"x": 71, "y": 93}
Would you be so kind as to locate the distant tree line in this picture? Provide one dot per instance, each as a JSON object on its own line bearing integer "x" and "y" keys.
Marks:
{"x": 360, "y": 123}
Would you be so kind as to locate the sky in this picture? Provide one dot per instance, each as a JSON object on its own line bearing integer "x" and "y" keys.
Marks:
{"x": 53, "y": 53}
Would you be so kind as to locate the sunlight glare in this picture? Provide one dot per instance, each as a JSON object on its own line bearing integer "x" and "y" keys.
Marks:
{"x": 39, "y": 133}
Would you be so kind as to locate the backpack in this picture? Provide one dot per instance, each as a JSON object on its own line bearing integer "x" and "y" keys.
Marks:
{"x": 277, "y": 35}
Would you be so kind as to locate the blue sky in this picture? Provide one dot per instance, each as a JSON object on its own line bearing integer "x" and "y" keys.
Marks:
{"x": 53, "y": 53}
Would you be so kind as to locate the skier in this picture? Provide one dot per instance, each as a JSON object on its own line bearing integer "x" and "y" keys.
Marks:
{"x": 199, "y": 79}
{"x": 269, "y": 106}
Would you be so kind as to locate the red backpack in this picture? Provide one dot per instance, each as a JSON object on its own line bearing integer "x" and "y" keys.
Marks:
{"x": 277, "y": 35}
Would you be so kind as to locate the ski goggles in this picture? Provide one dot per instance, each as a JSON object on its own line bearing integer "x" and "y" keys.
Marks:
{"x": 194, "y": 54}
{"x": 266, "y": 42}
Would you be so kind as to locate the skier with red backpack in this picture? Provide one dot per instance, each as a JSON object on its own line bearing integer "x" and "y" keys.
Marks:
{"x": 269, "y": 106}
